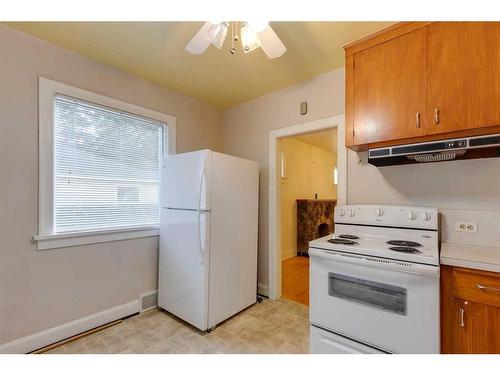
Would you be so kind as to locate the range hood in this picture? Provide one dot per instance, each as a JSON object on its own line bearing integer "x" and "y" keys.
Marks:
{"x": 485, "y": 146}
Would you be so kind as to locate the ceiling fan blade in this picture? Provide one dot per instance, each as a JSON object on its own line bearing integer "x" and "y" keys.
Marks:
{"x": 200, "y": 42}
{"x": 271, "y": 44}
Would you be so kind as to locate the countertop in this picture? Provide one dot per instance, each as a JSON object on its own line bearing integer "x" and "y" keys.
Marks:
{"x": 471, "y": 256}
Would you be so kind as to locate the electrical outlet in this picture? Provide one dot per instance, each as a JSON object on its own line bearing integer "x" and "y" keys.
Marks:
{"x": 466, "y": 227}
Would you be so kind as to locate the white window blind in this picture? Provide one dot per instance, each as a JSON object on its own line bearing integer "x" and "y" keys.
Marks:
{"x": 107, "y": 167}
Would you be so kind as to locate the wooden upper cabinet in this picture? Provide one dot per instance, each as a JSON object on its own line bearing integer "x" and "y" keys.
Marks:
{"x": 463, "y": 76}
{"x": 449, "y": 77}
{"x": 389, "y": 89}
{"x": 448, "y": 72}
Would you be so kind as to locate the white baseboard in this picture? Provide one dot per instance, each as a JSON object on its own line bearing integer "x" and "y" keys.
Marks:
{"x": 262, "y": 289}
{"x": 52, "y": 335}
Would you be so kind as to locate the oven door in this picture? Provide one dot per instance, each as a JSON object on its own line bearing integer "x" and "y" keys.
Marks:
{"x": 388, "y": 304}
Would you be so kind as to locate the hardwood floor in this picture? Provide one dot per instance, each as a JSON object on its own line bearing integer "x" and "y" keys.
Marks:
{"x": 295, "y": 279}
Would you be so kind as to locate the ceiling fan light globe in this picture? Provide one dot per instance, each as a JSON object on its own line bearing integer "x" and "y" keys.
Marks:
{"x": 272, "y": 45}
{"x": 216, "y": 21}
{"x": 216, "y": 34}
{"x": 249, "y": 39}
{"x": 258, "y": 25}
{"x": 200, "y": 42}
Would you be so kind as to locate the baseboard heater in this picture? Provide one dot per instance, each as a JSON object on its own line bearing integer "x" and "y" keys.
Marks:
{"x": 487, "y": 146}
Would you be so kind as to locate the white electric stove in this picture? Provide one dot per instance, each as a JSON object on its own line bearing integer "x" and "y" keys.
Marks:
{"x": 374, "y": 284}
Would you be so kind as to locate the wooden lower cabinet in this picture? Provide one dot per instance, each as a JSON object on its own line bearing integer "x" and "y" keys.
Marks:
{"x": 470, "y": 311}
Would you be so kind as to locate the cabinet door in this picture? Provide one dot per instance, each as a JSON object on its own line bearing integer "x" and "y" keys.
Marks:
{"x": 461, "y": 326}
{"x": 480, "y": 332}
{"x": 470, "y": 316}
{"x": 389, "y": 90}
{"x": 463, "y": 75}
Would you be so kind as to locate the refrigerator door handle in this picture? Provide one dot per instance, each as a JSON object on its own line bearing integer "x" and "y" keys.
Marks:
{"x": 202, "y": 182}
{"x": 202, "y": 237}
{"x": 202, "y": 210}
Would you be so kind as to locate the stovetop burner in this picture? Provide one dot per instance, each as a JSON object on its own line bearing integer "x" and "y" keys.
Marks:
{"x": 403, "y": 243}
{"x": 340, "y": 241}
{"x": 405, "y": 249}
{"x": 348, "y": 236}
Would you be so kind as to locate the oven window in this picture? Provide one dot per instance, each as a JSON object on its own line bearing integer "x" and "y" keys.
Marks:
{"x": 383, "y": 296}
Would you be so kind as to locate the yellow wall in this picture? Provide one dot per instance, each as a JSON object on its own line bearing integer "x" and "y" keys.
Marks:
{"x": 309, "y": 171}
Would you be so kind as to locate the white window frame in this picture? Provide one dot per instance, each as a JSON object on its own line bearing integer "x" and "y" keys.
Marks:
{"x": 46, "y": 238}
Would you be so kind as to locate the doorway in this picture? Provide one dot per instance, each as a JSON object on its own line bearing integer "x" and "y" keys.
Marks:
{"x": 307, "y": 180}
{"x": 308, "y": 194}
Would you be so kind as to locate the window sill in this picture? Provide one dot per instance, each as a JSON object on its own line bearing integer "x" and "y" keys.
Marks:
{"x": 54, "y": 241}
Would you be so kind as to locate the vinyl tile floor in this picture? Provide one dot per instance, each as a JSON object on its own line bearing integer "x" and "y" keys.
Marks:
{"x": 267, "y": 327}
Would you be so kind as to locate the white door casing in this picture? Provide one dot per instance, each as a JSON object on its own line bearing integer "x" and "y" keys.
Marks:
{"x": 274, "y": 193}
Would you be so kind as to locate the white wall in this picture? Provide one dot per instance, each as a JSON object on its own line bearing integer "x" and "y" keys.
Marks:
{"x": 460, "y": 189}
{"x": 40, "y": 290}
{"x": 464, "y": 184}
{"x": 246, "y": 128}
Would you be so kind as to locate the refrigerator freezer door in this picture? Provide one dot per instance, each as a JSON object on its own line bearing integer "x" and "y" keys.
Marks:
{"x": 186, "y": 181}
{"x": 183, "y": 265}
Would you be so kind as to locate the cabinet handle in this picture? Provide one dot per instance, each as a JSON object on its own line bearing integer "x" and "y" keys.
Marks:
{"x": 486, "y": 288}
{"x": 462, "y": 324}
{"x": 436, "y": 116}
{"x": 417, "y": 120}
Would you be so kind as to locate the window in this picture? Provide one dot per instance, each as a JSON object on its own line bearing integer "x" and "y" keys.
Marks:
{"x": 107, "y": 166}
{"x": 99, "y": 167}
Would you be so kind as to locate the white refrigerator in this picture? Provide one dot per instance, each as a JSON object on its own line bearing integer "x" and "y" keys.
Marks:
{"x": 208, "y": 236}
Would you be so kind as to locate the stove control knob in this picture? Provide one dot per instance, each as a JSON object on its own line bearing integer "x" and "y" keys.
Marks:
{"x": 380, "y": 212}
{"x": 426, "y": 216}
{"x": 352, "y": 213}
{"x": 342, "y": 212}
{"x": 412, "y": 215}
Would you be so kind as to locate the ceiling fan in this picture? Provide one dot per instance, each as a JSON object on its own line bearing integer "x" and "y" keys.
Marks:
{"x": 252, "y": 35}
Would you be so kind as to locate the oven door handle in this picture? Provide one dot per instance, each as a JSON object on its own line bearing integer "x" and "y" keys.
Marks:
{"x": 381, "y": 263}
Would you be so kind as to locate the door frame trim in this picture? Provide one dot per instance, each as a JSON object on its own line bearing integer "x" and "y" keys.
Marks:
{"x": 274, "y": 191}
